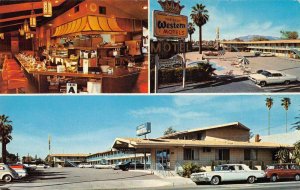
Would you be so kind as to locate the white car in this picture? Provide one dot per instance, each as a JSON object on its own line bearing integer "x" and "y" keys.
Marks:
{"x": 228, "y": 172}
{"x": 103, "y": 166}
{"x": 85, "y": 165}
{"x": 267, "y": 54}
{"x": 264, "y": 77}
{"x": 7, "y": 174}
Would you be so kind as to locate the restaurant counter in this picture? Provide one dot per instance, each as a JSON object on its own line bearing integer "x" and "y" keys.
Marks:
{"x": 122, "y": 80}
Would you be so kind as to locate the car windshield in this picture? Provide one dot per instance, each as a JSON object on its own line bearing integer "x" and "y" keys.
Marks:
{"x": 266, "y": 73}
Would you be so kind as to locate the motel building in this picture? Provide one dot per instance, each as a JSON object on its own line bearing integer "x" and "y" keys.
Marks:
{"x": 280, "y": 48}
{"x": 111, "y": 157}
{"x": 66, "y": 159}
{"x": 210, "y": 146}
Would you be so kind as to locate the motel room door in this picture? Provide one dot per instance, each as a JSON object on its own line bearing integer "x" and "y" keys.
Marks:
{"x": 162, "y": 158}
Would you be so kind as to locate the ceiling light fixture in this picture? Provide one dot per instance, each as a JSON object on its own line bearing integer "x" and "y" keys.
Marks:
{"x": 32, "y": 20}
{"x": 2, "y": 36}
{"x": 145, "y": 7}
{"x": 47, "y": 8}
{"x": 26, "y": 26}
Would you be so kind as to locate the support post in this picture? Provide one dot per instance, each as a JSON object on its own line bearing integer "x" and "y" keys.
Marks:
{"x": 183, "y": 70}
{"x": 156, "y": 73}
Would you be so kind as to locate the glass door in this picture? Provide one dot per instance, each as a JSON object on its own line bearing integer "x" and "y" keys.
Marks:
{"x": 163, "y": 158}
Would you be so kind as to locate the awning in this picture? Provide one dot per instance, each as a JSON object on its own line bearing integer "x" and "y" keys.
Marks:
{"x": 89, "y": 24}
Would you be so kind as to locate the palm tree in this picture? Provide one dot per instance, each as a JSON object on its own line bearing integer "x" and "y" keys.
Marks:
{"x": 286, "y": 102}
{"x": 296, "y": 152}
{"x": 191, "y": 30}
{"x": 269, "y": 104}
{"x": 5, "y": 137}
{"x": 200, "y": 17}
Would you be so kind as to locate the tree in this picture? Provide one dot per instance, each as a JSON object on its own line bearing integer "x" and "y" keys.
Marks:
{"x": 296, "y": 152}
{"x": 296, "y": 125}
{"x": 289, "y": 35}
{"x": 286, "y": 102}
{"x": 191, "y": 30}
{"x": 269, "y": 104}
{"x": 200, "y": 17}
{"x": 5, "y": 134}
{"x": 169, "y": 130}
{"x": 283, "y": 155}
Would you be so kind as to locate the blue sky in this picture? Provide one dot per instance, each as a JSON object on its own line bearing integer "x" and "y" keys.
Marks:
{"x": 238, "y": 18}
{"x": 90, "y": 124}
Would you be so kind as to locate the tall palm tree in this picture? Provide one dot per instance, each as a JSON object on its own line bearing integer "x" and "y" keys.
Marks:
{"x": 200, "y": 17}
{"x": 286, "y": 102}
{"x": 191, "y": 30}
{"x": 269, "y": 104}
{"x": 5, "y": 134}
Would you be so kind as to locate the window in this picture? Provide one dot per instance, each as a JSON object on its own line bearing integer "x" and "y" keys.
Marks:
{"x": 76, "y": 9}
{"x": 222, "y": 154}
{"x": 206, "y": 149}
{"x": 188, "y": 154}
{"x": 250, "y": 154}
{"x": 200, "y": 136}
{"x": 102, "y": 10}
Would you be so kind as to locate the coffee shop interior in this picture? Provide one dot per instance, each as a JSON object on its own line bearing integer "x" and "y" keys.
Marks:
{"x": 80, "y": 46}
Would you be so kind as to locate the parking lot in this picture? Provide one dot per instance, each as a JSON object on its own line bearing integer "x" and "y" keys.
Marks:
{"x": 239, "y": 83}
{"x": 85, "y": 178}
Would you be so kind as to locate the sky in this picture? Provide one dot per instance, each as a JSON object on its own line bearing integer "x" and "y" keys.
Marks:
{"x": 238, "y": 18}
{"x": 89, "y": 124}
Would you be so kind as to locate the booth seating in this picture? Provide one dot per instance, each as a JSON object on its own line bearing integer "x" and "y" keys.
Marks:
{"x": 13, "y": 76}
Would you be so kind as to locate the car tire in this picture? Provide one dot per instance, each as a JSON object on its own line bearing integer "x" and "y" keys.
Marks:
{"x": 287, "y": 82}
{"x": 7, "y": 178}
{"x": 251, "y": 179}
{"x": 273, "y": 178}
{"x": 215, "y": 180}
{"x": 263, "y": 83}
{"x": 297, "y": 177}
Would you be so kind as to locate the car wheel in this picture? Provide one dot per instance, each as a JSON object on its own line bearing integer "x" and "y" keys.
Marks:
{"x": 297, "y": 177}
{"x": 273, "y": 178}
{"x": 251, "y": 179}
{"x": 263, "y": 83}
{"x": 287, "y": 82}
{"x": 7, "y": 178}
{"x": 215, "y": 180}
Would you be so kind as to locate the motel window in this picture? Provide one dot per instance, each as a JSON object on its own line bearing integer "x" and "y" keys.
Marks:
{"x": 222, "y": 154}
{"x": 206, "y": 149}
{"x": 250, "y": 154}
{"x": 188, "y": 154}
{"x": 200, "y": 136}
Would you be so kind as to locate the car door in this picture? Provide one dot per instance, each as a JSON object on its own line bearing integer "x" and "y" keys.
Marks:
{"x": 231, "y": 174}
{"x": 242, "y": 174}
{"x": 272, "y": 78}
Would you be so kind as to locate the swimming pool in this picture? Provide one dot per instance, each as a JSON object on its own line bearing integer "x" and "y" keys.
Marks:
{"x": 217, "y": 67}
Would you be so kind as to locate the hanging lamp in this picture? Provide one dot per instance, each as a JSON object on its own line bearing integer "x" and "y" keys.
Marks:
{"x": 21, "y": 30}
{"x": 47, "y": 8}
{"x": 32, "y": 20}
{"x": 26, "y": 27}
{"x": 2, "y": 36}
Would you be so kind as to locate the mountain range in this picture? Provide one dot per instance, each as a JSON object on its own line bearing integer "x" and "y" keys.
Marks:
{"x": 250, "y": 37}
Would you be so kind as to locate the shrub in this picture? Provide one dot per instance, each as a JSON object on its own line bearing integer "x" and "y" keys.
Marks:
{"x": 189, "y": 168}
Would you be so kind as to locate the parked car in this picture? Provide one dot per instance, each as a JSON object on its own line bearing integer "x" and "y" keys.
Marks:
{"x": 211, "y": 53}
{"x": 265, "y": 77}
{"x": 85, "y": 165}
{"x": 228, "y": 172}
{"x": 124, "y": 166}
{"x": 283, "y": 171}
{"x": 7, "y": 174}
{"x": 30, "y": 167}
{"x": 267, "y": 54}
{"x": 20, "y": 169}
{"x": 103, "y": 166}
{"x": 44, "y": 166}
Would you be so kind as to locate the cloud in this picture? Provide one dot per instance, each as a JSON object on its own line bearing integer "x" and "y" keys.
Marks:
{"x": 167, "y": 111}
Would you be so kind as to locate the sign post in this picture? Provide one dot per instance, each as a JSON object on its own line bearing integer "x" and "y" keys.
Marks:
{"x": 169, "y": 24}
{"x": 141, "y": 130}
